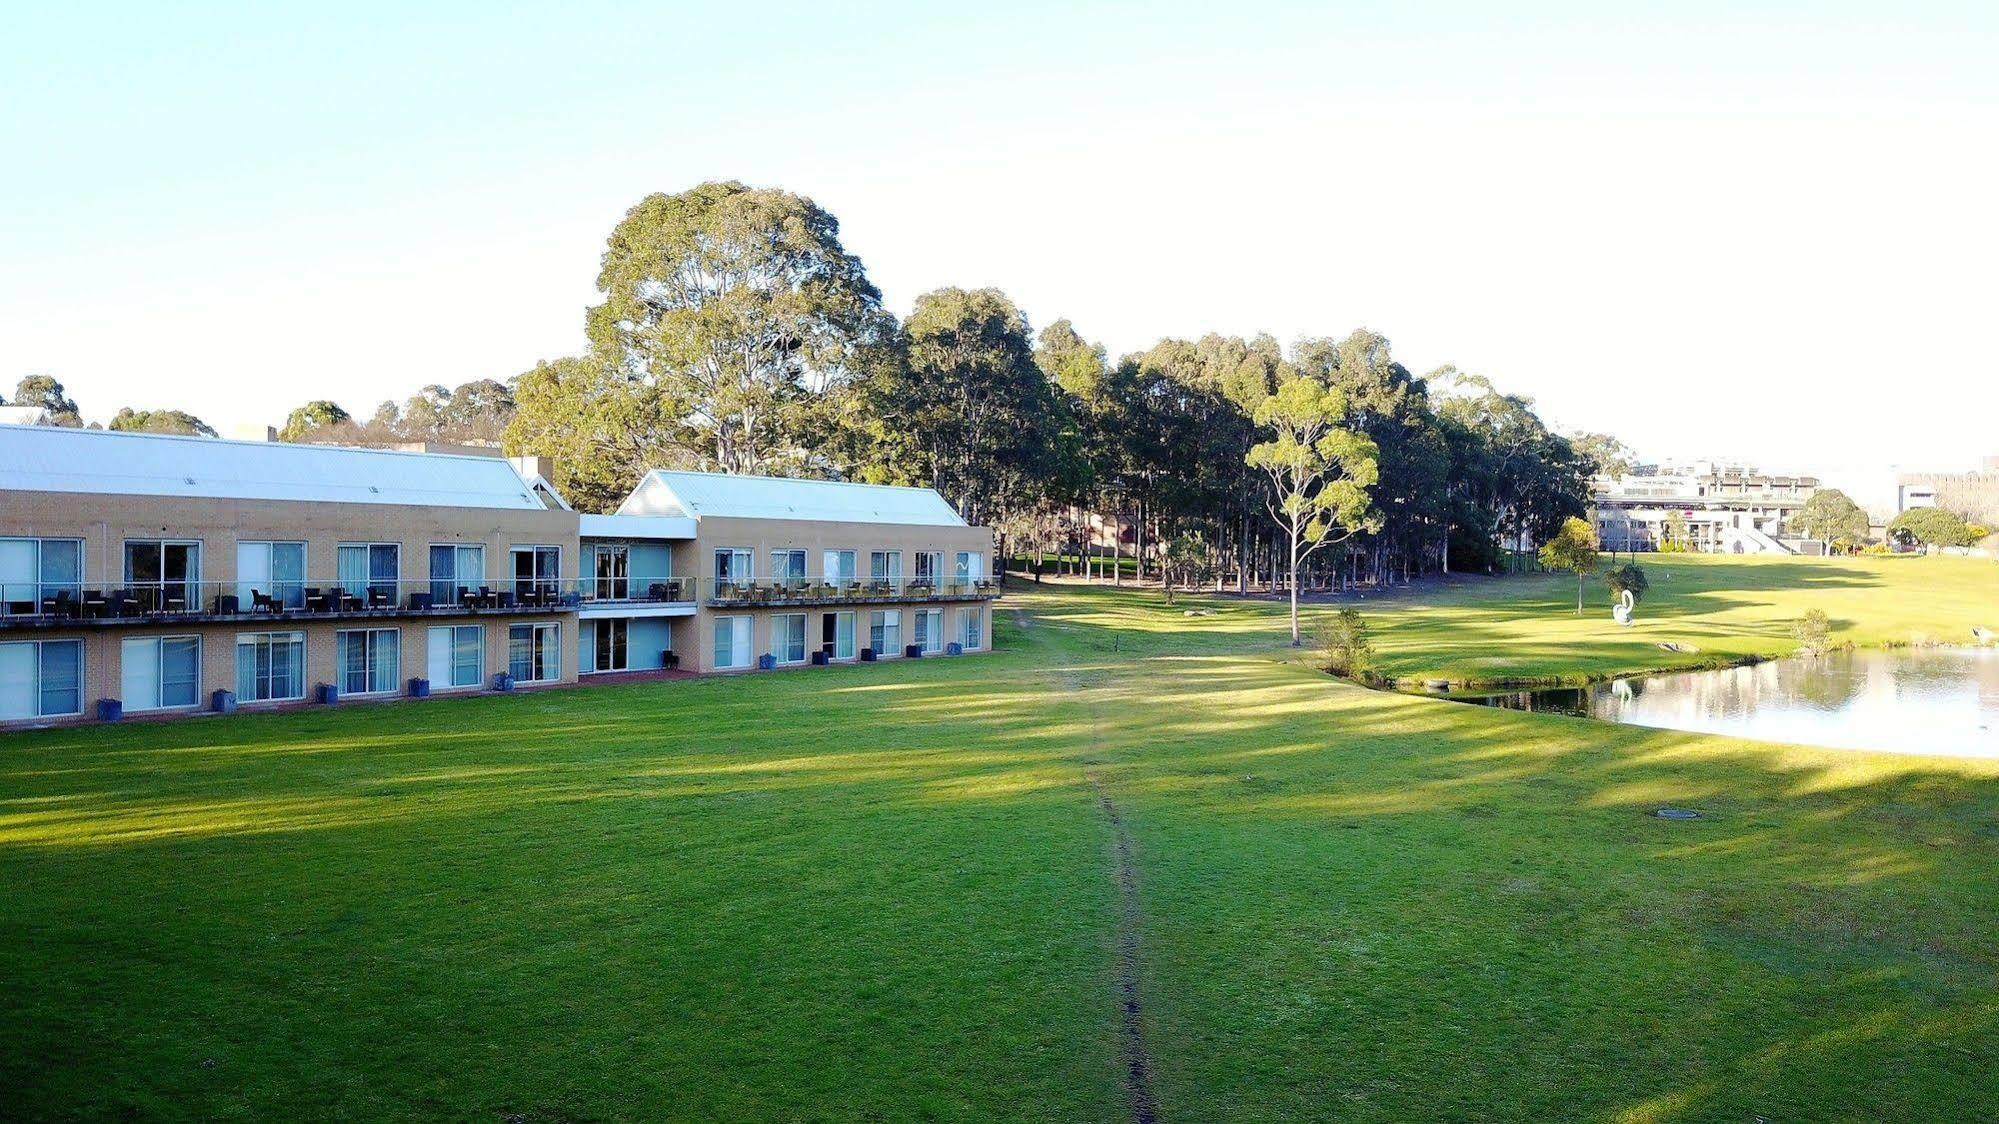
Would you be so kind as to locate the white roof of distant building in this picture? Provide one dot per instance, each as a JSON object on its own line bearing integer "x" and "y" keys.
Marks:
{"x": 47, "y": 459}
{"x": 699, "y": 494}
{"x": 23, "y": 415}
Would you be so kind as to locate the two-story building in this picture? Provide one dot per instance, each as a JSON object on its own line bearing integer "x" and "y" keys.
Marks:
{"x": 155, "y": 574}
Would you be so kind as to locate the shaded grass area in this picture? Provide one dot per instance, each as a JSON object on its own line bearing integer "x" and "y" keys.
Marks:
{"x": 885, "y": 892}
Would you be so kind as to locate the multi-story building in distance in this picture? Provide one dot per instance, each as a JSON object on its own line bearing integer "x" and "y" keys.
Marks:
{"x": 150, "y": 574}
{"x": 1725, "y": 508}
{"x": 1973, "y": 495}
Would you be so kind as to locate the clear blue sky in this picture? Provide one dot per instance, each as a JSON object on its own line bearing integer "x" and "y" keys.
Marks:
{"x": 1756, "y": 230}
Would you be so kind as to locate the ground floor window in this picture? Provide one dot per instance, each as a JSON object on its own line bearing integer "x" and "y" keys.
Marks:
{"x": 534, "y": 652}
{"x": 837, "y": 635}
{"x": 370, "y": 660}
{"x": 971, "y": 629}
{"x": 930, "y": 629}
{"x": 612, "y": 643}
{"x": 885, "y": 632}
{"x": 787, "y": 637}
{"x": 270, "y": 666}
{"x": 732, "y": 642}
{"x": 41, "y": 678}
{"x": 457, "y": 655}
{"x": 159, "y": 672}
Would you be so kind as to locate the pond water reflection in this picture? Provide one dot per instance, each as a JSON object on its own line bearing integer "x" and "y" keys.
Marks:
{"x": 1927, "y": 700}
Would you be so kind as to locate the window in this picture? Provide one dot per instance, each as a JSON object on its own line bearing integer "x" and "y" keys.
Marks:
{"x": 41, "y": 678}
{"x": 457, "y": 655}
{"x": 35, "y": 570}
{"x": 787, "y": 637}
{"x": 838, "y": 567}
{"x": 270, "y": 666}
{"x": 270, "y": 573}
{"x": 930, "y": 629}
{"x": 159, "y": 672}
{"x": 885, "y": 566}
{"x": 612, "y": 571}
{"x": 929, "y": 567}
{"x": 971, "y": 567}
{"x": 838, "y": 635}
{"x": 163, "y": 575}
{"x": 455, "y": 570}
{"x": 611, "y": 643}
{"x": 370, "y": 660}
{"x": 972, "y": 628}
{"x": 732, "y": 642}
{"x": 734, "y": 565}
{"x": 788, "y": 567}
{"x": 371, "y": 570}
{"x": 537, "y": 571}
{"x": 885, "y": 632}
{"x": 534, "y": 652}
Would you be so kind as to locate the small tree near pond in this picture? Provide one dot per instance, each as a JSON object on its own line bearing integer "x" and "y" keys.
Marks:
{"x": 1813, "y": 632}
{"x": 1572, "y": 549}
{"x": 1344, "y": 638}
{"x": 1629, "y": 576}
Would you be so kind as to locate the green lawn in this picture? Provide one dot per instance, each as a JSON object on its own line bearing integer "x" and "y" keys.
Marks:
{"x": 890, "y": 892}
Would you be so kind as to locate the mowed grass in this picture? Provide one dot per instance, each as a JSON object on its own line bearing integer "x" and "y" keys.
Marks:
{"x": 887, "y": 892}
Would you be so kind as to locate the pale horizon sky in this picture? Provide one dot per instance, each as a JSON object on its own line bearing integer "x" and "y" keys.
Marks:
{"x": 1762, "y": 231}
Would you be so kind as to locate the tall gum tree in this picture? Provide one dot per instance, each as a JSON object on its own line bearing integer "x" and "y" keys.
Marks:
{"x": 1319, "y": 472}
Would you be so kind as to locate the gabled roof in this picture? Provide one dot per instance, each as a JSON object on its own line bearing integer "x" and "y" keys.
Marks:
{"x": 47, "y": 459}
{"x": 700, "y": 494}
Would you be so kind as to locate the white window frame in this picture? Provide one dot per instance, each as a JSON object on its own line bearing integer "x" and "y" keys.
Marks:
{"x": 35, "y": 649}
{"x": 884, "y": 620}
{"x": 343, "y": 637}
{"x": 542, "y": 637}
{"x": 458, "y": 578}
{"x": 252, "y": 639}
{"x": 290, "y": 598}
{"x": 853, "y": 639}
{"x": 369, "y": 581}
{"x": 778, "y": 642}
{"x": 744, "y": 554}
{"x": 885, "y": 566}
{"x": 599, "y": 629}
{"x": 743, "y": 634}
{"x": 40, "y": 586}
{"x": 451, "y": 632}
{"x": 536, "y": 579}
{"x": 972, "y": 629}
{"x": 157, "y": 644}
{"x": 839, "y": 567}
{"x": 929, "y": 630}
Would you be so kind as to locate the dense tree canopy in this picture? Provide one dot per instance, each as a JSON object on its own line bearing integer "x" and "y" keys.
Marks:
{"x": 160, "y": 421}
{"x": 1931, "y": 526}
{"x": 1830, "y": 516}
{"x": 44, "y": 391}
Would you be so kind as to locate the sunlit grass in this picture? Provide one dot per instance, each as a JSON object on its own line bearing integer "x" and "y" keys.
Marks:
{"x": 883, "y": 892}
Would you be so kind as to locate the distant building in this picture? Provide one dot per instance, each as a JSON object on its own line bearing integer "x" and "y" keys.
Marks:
{"x": 1727, "y": 508}
{"x": 1974, "y": 495}
{"x": 24, "y": 415}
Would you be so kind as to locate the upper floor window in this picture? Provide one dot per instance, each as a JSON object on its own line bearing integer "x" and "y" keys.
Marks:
{"x": 33, "y": 571}
{"x": 270, "y": 575}
{"x": 163, "y": 573}
{"x": 885, "y": 566}
{"x": 611, "y": 577}
{"x": 787, "y": 566}
{"x": 734, "y": 565}
{"x": 929, "y": 567}
{"x": 537, "y": 571}
{"x": 370, "y": 570}
{"x": 838, "y": 567}
{"x": 456, "y": 570}
{"x": 971, "y": 566}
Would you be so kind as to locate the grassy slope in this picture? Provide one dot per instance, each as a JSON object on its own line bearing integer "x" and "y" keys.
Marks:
{"x": 884, "y": 891}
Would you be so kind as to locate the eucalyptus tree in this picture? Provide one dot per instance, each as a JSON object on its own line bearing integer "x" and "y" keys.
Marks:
{"x": 1830, "y": 515}
{"x": 48, "y": 393}
{"x": 128, "y": 420}
{"x": 732, "y": 308}
{"x": 1319, "y": 472}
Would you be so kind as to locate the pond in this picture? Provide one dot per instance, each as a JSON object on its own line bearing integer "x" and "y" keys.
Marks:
{"x": 1926, "y": 700}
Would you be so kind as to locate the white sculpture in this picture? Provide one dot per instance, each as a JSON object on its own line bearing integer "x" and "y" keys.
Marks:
{"x": 1621, "y": 612}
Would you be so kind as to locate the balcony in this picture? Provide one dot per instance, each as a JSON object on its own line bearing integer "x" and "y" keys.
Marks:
{"x": 770, "y": 592}
{"x": 47, "y": 605}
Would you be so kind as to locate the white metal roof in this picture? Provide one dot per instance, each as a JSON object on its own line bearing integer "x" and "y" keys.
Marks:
{"x": 47, "y": 459}
{"x": 635, "y": 527}
{"x": 699, "y": 494}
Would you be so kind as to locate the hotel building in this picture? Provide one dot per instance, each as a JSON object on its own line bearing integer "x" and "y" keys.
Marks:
{"x": 178, "y": 575}
{"x": 1726, "y": 508}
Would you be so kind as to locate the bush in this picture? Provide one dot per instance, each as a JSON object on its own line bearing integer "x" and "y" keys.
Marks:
{"x": 1813, "y": 632}
{"x": 1344, "y": 639}
{"x": 1629, "y": 576}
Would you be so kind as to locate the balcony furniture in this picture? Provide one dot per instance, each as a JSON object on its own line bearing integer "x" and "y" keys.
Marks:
{"x": 226, "y": 604}
{"x": 421, "y": 602}
{"x": 506, "y": 600}
{"x": 315, "y": 601}
{"x": 659, "y": 591}
{"x": 381, "y": 598}
{"x": 261, "y": 602}
{"x": 572, "y": 600}
{"x": 349, "y": 602}
{"x": 20, "y": 608}
{"x": 63, "y": 604}
{"x": 119, "y": 603}
{"x": 913, "y": 651}
{"x": 94, "y": 604}
{"x": 488, "y": 599}
{"x": 419, "y": 688}
{"x": 668, "y": 660}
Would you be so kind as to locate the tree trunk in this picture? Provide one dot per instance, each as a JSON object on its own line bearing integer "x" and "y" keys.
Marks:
{"x": 1295, "y": 641}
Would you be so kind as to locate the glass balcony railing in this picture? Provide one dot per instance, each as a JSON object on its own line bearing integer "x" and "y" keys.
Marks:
{"x": 820, "y": 591}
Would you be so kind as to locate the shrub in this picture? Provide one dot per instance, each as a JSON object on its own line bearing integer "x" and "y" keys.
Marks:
{"x": 1813, "y": 632}
{"x": 1344, "y": 638}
